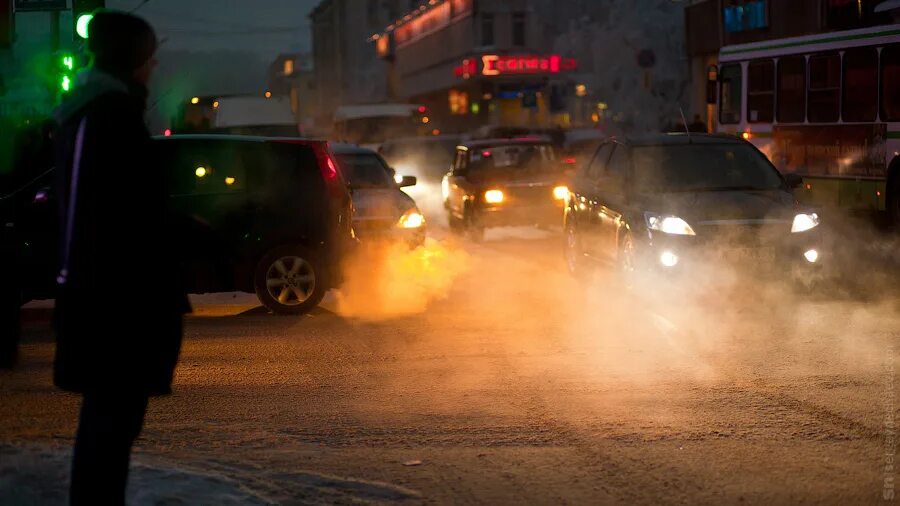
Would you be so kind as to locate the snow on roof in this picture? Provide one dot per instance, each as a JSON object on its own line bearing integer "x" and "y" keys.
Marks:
{"x": 374, "y": 111}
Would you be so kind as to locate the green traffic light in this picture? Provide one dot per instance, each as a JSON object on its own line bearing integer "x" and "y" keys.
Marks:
{"x": 66, "y": 83}
{"x": 68, "y": 62}
{"x": 81, "y": 25}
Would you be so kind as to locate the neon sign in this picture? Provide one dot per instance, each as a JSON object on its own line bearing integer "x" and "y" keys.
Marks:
{"x": 497, "y": 65}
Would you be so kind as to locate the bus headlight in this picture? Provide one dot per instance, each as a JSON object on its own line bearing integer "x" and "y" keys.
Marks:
{"x": 493, "y": 197}
{"x": 561, "y": 193}
{"x": 412, "y": 219}
{"x": 804, "y": 222}
{"x": 668, "y": 224}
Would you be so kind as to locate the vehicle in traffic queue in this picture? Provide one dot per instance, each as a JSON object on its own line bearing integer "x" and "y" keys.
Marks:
{"x": 382, "y": 210}
{"x": 426, "y": 157}
{"x": 270, "y": 216}
{"x": 504, "y": 182}
{"x": 671, "y": 204}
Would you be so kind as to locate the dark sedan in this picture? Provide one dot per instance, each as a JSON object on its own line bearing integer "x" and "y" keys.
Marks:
{"x": 504, "y": 183}
{"x": 666, "y": 203}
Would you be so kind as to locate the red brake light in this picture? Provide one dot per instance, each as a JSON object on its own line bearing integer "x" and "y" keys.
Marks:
{"x": 167, "y": 132}
{"x": 569, "y": 161}
{"x": 330, "y": 170}
{"x": 486, "y": 154}
{"x": 423, "y": 109}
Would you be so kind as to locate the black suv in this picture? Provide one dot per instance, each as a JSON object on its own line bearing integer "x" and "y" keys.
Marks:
{"x": 274, "y": 217}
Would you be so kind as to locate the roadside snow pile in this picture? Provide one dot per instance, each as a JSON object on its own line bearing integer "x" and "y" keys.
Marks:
{"x": 36, "y": 475}
{"x": 41, "y": 476}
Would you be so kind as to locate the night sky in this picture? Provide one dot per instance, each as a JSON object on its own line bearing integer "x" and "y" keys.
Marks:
{"x": 266, "y": 27}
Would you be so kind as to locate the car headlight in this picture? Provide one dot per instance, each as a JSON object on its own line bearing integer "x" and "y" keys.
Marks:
{"x": 445, "y": 188}
{"x": 493, "y": 196}
{"x": 561, "y": 192}
{"x": 804, "y": 222}
{"x": 412, "y": 219}
{"x": 668, "y": 224}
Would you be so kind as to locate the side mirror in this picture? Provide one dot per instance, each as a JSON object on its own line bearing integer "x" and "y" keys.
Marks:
{"x": 793, "y": 180}
{"x": 408, "y": 181}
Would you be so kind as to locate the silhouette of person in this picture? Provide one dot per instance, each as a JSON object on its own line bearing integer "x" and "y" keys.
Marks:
{"x": 121, "y": 297}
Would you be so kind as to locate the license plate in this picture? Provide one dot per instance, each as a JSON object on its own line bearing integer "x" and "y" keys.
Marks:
{"x": 750, "y": 255}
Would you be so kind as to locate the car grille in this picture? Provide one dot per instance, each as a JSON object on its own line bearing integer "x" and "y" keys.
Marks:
{"x": 743, "y": 234}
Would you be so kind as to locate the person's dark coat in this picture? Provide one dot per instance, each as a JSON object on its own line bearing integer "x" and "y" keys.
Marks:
{"x": 121, "y": 297}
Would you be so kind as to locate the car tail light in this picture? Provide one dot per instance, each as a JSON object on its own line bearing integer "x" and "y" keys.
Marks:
{"x": 569, "y": 161}
{"x": 329, "y": 169}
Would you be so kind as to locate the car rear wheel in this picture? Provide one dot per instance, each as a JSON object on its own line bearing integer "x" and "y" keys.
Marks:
{"x": 289, "y": 280}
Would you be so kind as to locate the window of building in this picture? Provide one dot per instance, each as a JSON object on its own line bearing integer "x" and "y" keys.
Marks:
{"x": 824, "y": 88}
{"x": 288, "y": 67}
{"x": 761, "y": 91}
{"x": 791, "y": 101}
{"x": 487, "y": 29}
{"x": 730, "y": 94}
{"x": 890, "y": 83}
{"x": 519, "y": 29}
{"x": 745, "y": 15}
{"x": 860, "y": 101}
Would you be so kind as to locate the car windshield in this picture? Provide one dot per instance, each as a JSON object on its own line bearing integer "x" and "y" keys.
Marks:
{"x": 702, "y": 167}
{"x": 365, "y": 171}
{"x": 514, "y": 157}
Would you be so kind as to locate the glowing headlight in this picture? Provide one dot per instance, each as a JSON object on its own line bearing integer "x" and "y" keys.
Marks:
{"x": 668, "y": 224}
{"x": 445, "y": 188}
{"x": 412, "y": 219}
{"x": 493, "y": 196}
{"x": 804, "y": 222}
{"x": 561, "y": 193}
{"x": 398, "y": 178}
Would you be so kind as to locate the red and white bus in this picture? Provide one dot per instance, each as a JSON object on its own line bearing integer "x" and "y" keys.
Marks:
{"x": 826, "y": 107}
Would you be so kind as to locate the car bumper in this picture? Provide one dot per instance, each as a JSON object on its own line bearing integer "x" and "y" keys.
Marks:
{"x": 506, "y": 216}
{"x": 682, "y": 255}
{"x": 378, "y": 232}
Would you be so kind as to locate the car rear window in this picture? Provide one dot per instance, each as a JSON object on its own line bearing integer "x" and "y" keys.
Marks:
{"x": 197, "y": 167}
{"x": 698, "y": 167}
{"x": 514, "y": 157}
{"x": 365, "y": 171}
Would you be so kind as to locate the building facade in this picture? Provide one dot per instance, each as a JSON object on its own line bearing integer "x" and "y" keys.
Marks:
{"x": 292, "y": 75}
{"x": 476, "y": 63}
{"x": 540, "y": 63}
{"x": 347, "y": 70}
{"x": 713, "y": 24}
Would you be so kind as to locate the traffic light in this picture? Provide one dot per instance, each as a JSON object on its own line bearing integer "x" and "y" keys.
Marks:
{"x": 66, "y": 66}
{"x": 82, "y": 13}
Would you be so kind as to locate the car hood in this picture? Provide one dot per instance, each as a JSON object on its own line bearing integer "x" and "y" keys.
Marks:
{"x": 722, "y": 205}
{"x": 380, "y": 203}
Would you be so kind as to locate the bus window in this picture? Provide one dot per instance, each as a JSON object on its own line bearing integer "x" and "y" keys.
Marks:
{"x": 730, "y": 94}
{"x": 860, "y": 84}
{"x": 824, "y": 88}
{"x": 791, "y": 89}
{"x": 761, "y": 91}
{"x": 890, "y": 83}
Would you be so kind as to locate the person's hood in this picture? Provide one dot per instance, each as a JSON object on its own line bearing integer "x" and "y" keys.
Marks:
{"x": 722, "y": 205}
{"x": 89, "y": 86}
